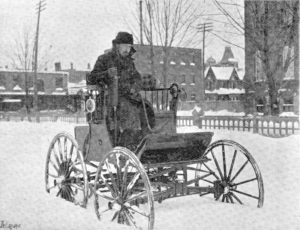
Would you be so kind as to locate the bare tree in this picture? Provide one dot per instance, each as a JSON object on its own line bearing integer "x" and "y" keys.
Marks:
{"x": 271, "y": 30}
{"x": 167, "y": 23}
{"x": 21, "y": 55}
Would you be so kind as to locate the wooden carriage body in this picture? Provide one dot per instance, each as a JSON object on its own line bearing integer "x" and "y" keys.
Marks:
{"x": 163, "y": 145}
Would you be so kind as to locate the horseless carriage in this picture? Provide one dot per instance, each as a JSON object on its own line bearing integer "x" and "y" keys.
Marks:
{"x": 126, "y": 180}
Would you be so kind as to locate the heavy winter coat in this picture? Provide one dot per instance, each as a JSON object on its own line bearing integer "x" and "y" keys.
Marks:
{"x": 129, "y": 86}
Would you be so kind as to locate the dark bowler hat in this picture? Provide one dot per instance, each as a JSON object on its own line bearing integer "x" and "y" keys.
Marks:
{"x": 123, "y": 38}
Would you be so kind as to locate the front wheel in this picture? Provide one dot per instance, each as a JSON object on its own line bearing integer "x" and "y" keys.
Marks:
{"x": 65, "y": 173}
{"x": 123, "y": 191}
{"x": 232, "y": 173}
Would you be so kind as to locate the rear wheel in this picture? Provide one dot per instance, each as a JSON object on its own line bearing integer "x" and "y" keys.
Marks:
{"x": 232, "y": 173}
{"x": 65, "y": 173}
{"x": 122, "y": 190}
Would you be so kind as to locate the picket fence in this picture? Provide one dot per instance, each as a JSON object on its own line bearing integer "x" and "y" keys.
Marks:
{"x": 269, "y": 126}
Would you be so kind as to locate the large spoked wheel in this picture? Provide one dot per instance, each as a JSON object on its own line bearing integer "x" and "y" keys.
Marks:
{"x": 65, "y": 173}
{"x": 232, "y": 173}
{"x": 123, "y": 191}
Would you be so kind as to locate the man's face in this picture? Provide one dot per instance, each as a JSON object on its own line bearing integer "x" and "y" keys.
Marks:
{"x": 124, "y": 49}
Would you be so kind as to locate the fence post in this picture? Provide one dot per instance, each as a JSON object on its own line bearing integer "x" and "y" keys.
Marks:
{"x": 255, "y": 125}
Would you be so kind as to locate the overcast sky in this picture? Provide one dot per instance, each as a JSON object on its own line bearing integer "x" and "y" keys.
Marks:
{"x": 79, "y": 31}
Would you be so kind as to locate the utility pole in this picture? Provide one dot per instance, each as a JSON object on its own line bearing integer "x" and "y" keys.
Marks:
{"x": 204, "y": 27}
{"x": 141, "y": 22}
{"x": 40, "y": 7}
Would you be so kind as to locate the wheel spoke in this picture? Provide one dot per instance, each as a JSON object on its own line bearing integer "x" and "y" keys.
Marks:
{"x": 104, "y": 196}
{"x": 211, "y": 171}
{"x": 135, "y": 197}
{"x": 217, "y": 164}
{"x": 232, "y": 163}
{"x": 59, "y": 192}
{"x": 230, "y": 198}
{"x": 65, "y": 148}
{"x": 113, "y": 181}
{"x": 132, "y": 182}
{"x": 244, "y": 182}
{"x": 235, "y": 197}
{"x": 139, "y": 211}
{"x": 60, "y": 150}
{"x": 76, "y": 186}
{"x": 71, "y": 152}
{"x": 117, "y": 213}
{"x": 124, "y": 178}
{"x": 208, "y": 181}
{"x": 224, "y": 161}
{"x": 49, "y": 174}
{"x": 130, "y": 218}
{"x": 223, "y": 198}
{"x": 56, "y": 157}
{"x": 53, "y": 165}
{"x": 238, "y": 172}
{"x": 113, "y": 193}
{"x": 226, "y": 198}
{"x": 52, "y": 187}
{"x": 245, "y": 194}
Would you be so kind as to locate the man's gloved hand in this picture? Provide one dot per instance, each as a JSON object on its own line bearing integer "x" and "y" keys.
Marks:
{"x": 112, "y": 72}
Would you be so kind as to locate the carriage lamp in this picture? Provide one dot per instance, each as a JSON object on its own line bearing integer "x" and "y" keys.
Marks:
{"x": 90, "y": 105}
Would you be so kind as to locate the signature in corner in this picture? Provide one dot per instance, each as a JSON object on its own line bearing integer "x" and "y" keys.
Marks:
{"x": 4, "y": 224}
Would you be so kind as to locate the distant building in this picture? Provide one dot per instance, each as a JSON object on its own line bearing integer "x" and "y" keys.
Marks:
{"x": 184, "y": 68}
{"x": 224, "y": 88}
{"x": 51, "y": 86}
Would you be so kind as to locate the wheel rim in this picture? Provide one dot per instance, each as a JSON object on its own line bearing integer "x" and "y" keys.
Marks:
{"x": 122, "y": 190}
{"x": 65, "y": 173}
{"x": 232, "y": 173}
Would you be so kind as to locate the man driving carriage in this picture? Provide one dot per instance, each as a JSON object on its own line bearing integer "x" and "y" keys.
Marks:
{"x": 130, "y": 110}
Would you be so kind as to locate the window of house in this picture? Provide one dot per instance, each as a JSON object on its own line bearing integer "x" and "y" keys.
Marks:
{"x": 40, "y": 85}
{"x": 59, "y": 82}
{"x": 2, "y": 81}
{"x": 209, "y": 85}
{"x": 193, "y": 76}
{"x": 183, "y": 80}
{"x": 193, "y": 97}
{"x": 17, "y": 80}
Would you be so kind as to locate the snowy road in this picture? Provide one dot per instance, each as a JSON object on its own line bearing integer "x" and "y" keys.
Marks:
{"x": 23, "y": 199}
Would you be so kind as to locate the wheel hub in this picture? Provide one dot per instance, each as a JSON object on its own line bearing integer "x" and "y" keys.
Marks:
{"x": 221, "y": 187}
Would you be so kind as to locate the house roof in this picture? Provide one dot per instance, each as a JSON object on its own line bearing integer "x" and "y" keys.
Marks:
{"x": 224, "y": 73}
{"x": 228, "y": 54}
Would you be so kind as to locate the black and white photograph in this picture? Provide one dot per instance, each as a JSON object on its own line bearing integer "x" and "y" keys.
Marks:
{"x": 149, "y": 114}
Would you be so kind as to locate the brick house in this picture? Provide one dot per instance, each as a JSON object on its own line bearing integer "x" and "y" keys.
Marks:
{"x": 184, "y": 68}
{"x": 51, "y": 86}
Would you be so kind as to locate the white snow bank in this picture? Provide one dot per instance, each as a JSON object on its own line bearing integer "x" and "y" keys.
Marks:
{"x": 288, "y": 114}
{"x": 24, "y": 200}
{"x": 222, "y": 113}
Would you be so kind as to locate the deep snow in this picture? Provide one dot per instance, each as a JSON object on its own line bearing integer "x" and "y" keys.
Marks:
{"x": 23, "y": 199}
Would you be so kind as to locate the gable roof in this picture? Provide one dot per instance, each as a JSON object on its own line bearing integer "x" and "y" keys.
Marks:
{"x": 222, "y": 73}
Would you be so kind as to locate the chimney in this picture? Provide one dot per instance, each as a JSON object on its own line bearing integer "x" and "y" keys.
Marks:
{"x": 88, "y": 66}
{"x": 71, "y": 65}
{"x": 57, "y": 66}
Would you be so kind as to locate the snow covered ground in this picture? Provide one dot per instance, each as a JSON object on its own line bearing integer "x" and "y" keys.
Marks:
{"x": 23, "y": 199}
